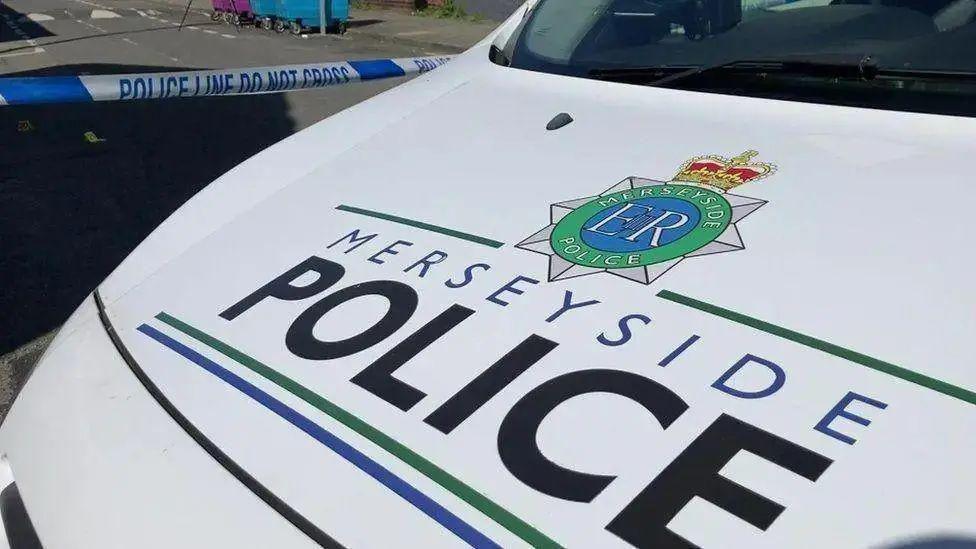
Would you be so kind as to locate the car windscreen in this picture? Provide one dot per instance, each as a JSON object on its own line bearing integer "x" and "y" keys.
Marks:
{"x": 921, "y": 48}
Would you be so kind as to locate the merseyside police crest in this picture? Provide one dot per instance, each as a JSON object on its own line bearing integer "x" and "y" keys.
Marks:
{"x": 640, "y": 228}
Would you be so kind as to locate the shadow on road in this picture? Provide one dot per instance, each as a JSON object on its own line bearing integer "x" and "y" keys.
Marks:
{"x": 72, "y": 207}
{"x": 357, "y": 23}
{"x": 28, "y": 27}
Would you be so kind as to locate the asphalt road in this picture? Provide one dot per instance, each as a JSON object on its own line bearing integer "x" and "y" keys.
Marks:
{"x": 71, "y": 209}
{"x": 499, "y": 10}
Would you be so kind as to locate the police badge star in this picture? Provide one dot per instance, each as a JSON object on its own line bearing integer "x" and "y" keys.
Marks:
{"x": 641, "y": 228}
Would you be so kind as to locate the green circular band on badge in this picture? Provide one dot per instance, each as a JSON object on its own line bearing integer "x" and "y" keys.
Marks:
{"x": 626, "y": 228}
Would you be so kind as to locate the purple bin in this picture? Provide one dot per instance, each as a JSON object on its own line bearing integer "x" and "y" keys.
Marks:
{"x": 239, "y": 6}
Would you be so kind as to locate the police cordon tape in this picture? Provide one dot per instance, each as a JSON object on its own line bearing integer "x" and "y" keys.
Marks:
{"x": 206, "y": 83}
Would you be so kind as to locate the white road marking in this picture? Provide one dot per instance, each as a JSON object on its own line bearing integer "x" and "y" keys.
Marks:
{"x": 228, "y": 36}
{"x": 194, "y": 28}
{"x": 37, "y": 17}
{"x": 208, "y": 31}
{"x": 104, "y": 14}
{"x": 96, "y": 4}
{"x": 129, "y": 41}
{"x": 19, "y": 53}
{"x": 89, "y": 25}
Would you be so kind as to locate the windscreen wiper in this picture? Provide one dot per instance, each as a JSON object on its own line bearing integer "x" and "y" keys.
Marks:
{"x": 865, "y": 69}
{"x": 665, "y": 75}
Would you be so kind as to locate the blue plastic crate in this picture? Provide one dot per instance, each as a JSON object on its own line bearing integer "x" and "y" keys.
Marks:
{"x": 306, "y": 12}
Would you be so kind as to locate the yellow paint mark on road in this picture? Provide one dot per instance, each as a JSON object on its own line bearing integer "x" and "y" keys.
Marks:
{"x": 92, "y": 138}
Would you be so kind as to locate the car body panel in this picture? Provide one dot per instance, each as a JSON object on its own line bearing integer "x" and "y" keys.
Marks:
{"x": 99, "y": 464}
{"x": 838, "y": 183}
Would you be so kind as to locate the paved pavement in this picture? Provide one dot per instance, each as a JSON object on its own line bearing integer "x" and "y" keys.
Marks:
{"x": 403, "y": 28}
{"x": 72, "y": 209}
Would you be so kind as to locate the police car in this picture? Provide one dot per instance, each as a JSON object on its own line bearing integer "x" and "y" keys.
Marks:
{"x": 626, "y": 273}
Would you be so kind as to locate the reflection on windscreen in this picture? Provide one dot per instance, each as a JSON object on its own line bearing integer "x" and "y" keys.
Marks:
{"x": 563, "y": 25}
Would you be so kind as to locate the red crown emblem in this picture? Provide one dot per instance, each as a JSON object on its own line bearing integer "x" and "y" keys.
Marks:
{"x": 724, "y": 173}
